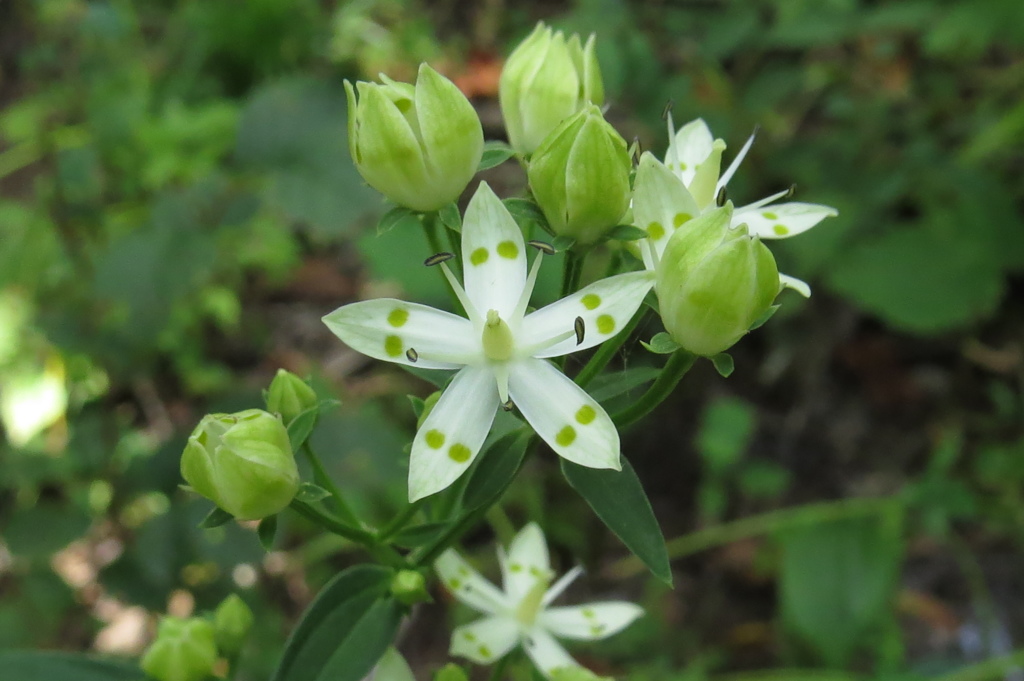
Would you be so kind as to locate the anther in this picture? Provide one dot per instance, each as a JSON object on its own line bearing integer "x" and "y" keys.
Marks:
{"x": 508, "y": 406}
{"x": 438, "y": 258}
{"x": 542, "y": 246}
{"x": 635, "y": 151}
{"x": 668, "y": 108}
{"x": 790, "y": 192}
{"x": 412, "y": 355}
{"x": 579, "y": 327}
{"x": 720, "y": 199}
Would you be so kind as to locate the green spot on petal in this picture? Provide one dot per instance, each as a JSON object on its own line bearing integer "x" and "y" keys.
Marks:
{"x": 435, "y": 439}
{"x": 455, "y": 584}
{"x": 781, "y": 230}
{"x": 680, "y": 218}
{"x": 589, "y": 612}
{"x": 770, "y": 216}
{"x": 605, "y": 324}
{"x": 596, "y": 629}
{"x": 682, "y": 166}
{"x": 655, "y": 230}
{"x": 484, "y": 651}
{"x": 393, "y": 346}
{"x": 479, "y": 256}
{"x": 469, "y": 636}
{"x": 459, "y": 453}
{"x": 585, "y": 415}
{"x": 535, "y": 571}
{"x": 591, "y": 301}
{"x": 398, "y": 317}
{"x": 566, "y": 436}
{"x": 508, "y": 249}
{"x": 515, "y": 567}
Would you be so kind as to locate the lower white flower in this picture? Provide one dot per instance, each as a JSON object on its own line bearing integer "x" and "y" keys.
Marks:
{"x": 521, "y": 612}
{"x": 694, "y": 158}
{"x": 500, "y": 351}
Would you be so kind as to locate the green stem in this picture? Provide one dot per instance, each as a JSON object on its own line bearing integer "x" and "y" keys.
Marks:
{"x": 765, "y": 523}
{"x": 399, "y": 522}
{"x": 384, "y": 554}
{"x": 431, "y": 225}
{"x": 599, "y": 360}
{"x": 499, "y": 668}
{"x": 572, "y": 271}
{"x": 324, "y": 480}
{"x": 676, "y": 366}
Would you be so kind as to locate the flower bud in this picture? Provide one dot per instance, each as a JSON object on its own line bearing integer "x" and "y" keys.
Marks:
{"x": 580, "y": 177}
{"x": 451, "y": 672}
{"x": 289, "y": 395}
{"x": 545, "y": 80}
{"x": 184, "y": 650}
{"x": 243, "y": 462}
{"x": 419, "y": 146}
{"x": 231, "y": 622}
{"x": 409, "y": 587}
{"x": 714, "y": 282}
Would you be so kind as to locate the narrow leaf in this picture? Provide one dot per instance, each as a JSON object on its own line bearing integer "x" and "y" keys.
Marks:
{"x": 395, "y": 217}
{"x": 495, "y": 153}
{"x": 526, "y": 213}
{"x": 419, "y": 535}
{"x": 626, "y": 233}
{"x": 493, "y": 471}
{"x": 215, "y": 518}
{"x": 724, "y": 364}
{"x": 661, "y": 344}
{"x": 358, "y": 652}
{"x": 563, "y": 243}
{"x": 301, "y": 427}
{"x": 267, "y": 531}
{"x": 26, "y": 665}
{"x": 618, "y": 499}
{"x": 765, "y": 317}
{"x": 450, "y": 218}
{"x": 609, "y": 386}
{"x": 310, "y": 493}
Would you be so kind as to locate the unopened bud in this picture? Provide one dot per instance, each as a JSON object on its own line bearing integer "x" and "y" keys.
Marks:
{"x": 289, "y": 395}
{"x": 184, "y": 650}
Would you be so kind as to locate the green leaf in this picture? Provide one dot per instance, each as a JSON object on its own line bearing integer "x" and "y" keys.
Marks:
{"x": 838, "y": 580}
{"x": 626, "y": 233}
{"x": 495, "y": 153}
{"x": 493, "y": 471}
{"x": 310, "y": 493}
{"x": 724, "y": 364}
{"x": 419, "y": 535}
{"x": 765, "y": 317}
{"x": 418, "y": 405}
{"x": 24, "y": 665}
{"x": 563, "y": 243}
{"x": 395, "y": 217}
{"x": 450, "y": 218}
{"x": 618, "y": 499}
{"x": 301, "y": 427}
{"x": 350, "y": 615}
{"x": 526, "y": 213}
{"x": 609, "y": 386}
{"x": 215, "y": 518}
{"x": 267, "y": 532}
{"x": 661, "y": 344}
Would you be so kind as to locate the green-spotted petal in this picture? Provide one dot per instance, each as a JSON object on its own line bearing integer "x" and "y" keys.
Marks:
{"x": 661, "y": 203}
{"x": 526, "y": 562}
{"x": 573, "y": 424}
{"x": 590, "y": 622}
{"x": 485, "y": 641}
{"x": 494, "y": 254}
{"x": 605, "y": 307}
{"x": 546, "y": 653}
{"x": 451, "y": 436}
{"x": 468, "y": 586}
{"x": 784, "y": 219}
{"x": 406, "y": 333}
{"x": 690, "y": 147}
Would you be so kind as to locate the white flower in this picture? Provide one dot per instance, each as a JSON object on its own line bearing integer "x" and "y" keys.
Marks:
{"x": 500, "y": 351}
{"x": 521, "y": 613}
{"x": 694, "y": 159}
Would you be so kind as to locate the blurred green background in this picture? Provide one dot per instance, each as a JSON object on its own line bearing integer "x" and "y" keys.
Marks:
{"x": 178, "y": 209}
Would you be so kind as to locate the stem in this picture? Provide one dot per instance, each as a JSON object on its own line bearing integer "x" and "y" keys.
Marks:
{"x": 678, "y": 364}
{"x": 324, "y": 480}
{"x": 456, "y": 530}
{"x": 385, "y": 554}
{"x": 765, "y": 523}
{"x": 499, "y": 668}
{"x": 399, "y": 522}
{"x": 430, "y": 227}
{"x": 572, "y": 272}
{"x": 599, "y": 360}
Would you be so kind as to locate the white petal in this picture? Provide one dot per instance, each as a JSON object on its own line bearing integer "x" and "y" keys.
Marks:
{"x": 690, "y": 148}
{"x": 494, "y": 255}
{"x": 661, "y": 202}
{"x": 590, "y": 622}
{"x": 547, "y": 654}
{"x": 561, "y": 585}
{"x": 485, "y": 641}
{"x": 468, "y": 586}
{"x": 392, "y": 667}
{"x": 605, "y": 307}
{"x": 798, "y": 285}
{"x": 784, "y": 219}
{"x": 527, "y": 561}
{"x": 386, "y": 329}
{"x": 451, "y": 436}
{"x": 573, "y": 424}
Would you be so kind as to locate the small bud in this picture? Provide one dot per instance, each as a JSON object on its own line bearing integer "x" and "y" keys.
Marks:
{"x": 545, "y": 80}
{"x": 451, "y": 672}
{"x": 580, "y": 177}
{"x": 419, "y": 146}
{"x": 184, "y": 650}
{"x": 289, "y": 395}
{"x": 243, "y": 462}
{"x": 231, "y": 622}
{"x": 714, "y": 282}
{"x": 409, "y": 587}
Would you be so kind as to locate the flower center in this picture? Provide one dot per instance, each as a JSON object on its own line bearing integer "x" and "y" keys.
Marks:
{"x": 497, "y": 338}
{"x": 530, "y": 605}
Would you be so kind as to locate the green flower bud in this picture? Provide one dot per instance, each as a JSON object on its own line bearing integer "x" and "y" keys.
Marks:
{"x": 714, "y": 282}
{"x": 409, "y": 587}
{"x": 419, "y": 146}
{"x": 580, "y": 177}
{"x": 184, "y": 650}
{"x": 232, "y": 621}
{"x": 289, "y": 395}
{"x": 451, "y": 672}
{"x": 545, "y": 80}
{"x": 243, "y": 462}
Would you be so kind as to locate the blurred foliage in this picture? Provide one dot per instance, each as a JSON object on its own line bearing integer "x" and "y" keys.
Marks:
{"x": 170, "y": 167}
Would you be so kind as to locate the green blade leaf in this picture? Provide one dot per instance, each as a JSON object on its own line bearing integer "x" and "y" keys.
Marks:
{"x": 493, "y": 471}
{"x": 724, "y": 364}
{"x": 357, "y": 653}
{"x": 618, "y": 499}
{"x": 310, "y": 493}
{"x": 661, "y": 344}
{"x": 267, "y": 531}
{"x": 25, "y": 665}
{"x": 395, "y": 217}
{"x": 330, "y": 620}
{"x": 419, "y": 535}
{"x": 626, "y": 233}
{"x": 450, "y": 218}
{"x": 215, "y": 518}
{"x": 495, "y": 153}
{"x": 301, "y": 427}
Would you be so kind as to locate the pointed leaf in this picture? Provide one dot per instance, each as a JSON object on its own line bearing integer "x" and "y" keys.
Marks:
{"x": 310, "y": 493}
{"x": 494, "y": 471}
{"x": 724, "y": 364}
{"x": 301, "y": 427}
{"x": 267, "y": 531}
{"x": 450, "y": 218}
{"x": 495, "y": 153}
{"x": 661, "y": 344}
{"x": 215, "y": 518}
{"x": 398, "y": 215}
{"x": 627, "y": 233}
{"x": 24, "y": 665}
